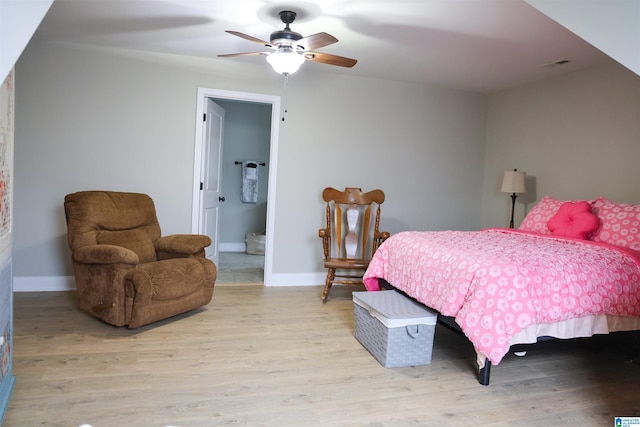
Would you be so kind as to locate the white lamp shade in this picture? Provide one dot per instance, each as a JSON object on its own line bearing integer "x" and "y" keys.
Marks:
{"x": 514, "y": 182}
{"x": 285, "y": 60}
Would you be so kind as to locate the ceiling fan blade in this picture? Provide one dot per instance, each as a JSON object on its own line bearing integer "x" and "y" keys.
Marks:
{"x": 326, "y": 58}
{"x": 250, "y": 38}
{"x": 230, "y": 55}
{"x": 316, "y": 41}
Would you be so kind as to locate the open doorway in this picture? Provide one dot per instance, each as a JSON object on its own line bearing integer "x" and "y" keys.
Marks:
{"x": 244, "y": 186}
{"x": 249, "y": 116}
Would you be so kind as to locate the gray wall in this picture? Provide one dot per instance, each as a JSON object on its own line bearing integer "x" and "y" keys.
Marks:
{"x": 124, "y": 120}
{"x": 576, "y": 136}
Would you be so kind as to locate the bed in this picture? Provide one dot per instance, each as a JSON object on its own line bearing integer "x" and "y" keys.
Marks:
{"x": 504, "y": 287}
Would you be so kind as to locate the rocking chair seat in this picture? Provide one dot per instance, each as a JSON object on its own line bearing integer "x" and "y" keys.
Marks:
{"x": 360, "y": 264}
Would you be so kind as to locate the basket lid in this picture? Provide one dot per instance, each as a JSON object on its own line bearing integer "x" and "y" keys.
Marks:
{"x": 394, "y": 309}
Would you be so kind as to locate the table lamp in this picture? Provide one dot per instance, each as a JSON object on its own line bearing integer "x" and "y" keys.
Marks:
{"x": 513, "y": 182}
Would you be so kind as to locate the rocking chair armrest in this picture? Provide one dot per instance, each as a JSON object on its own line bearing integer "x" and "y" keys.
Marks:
{"x": 383, "y": 235}
{"x": 185, "y": 244}
{"x": 325, "y": 235}
{"x": 105, "y": 254}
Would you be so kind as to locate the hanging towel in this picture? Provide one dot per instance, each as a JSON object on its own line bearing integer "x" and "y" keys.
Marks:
{"x": 249, "y": 189}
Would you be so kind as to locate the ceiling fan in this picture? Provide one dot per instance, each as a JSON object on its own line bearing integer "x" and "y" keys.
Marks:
{"x": 291, "y": 49}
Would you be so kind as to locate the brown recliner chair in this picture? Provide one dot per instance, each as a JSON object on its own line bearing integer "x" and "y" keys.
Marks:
{"x": 126, "y": 273}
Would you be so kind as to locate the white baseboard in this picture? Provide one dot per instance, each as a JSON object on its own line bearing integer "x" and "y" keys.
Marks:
{"x": 67, "y": 283}
{"x": 44, "y": 283}
{"x": 232, "y": 247}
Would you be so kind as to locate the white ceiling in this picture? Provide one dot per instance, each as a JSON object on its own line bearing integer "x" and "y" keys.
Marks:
{"x": 477, "y": 45}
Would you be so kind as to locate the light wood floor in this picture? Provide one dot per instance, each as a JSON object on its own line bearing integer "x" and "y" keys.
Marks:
{"x": 259, "y": 356}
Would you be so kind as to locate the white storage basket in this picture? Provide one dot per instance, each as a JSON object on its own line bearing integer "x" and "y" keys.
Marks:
{"x": 396, "y": 330}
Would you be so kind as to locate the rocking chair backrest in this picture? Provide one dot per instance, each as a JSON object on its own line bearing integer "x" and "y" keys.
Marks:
{"x": 353, "y": 217}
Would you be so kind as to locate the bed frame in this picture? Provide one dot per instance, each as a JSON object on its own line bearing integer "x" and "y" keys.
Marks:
{"x": 484, "y": 373}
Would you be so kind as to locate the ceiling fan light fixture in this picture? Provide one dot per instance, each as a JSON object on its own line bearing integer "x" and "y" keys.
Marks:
{"x": 291, "y": 49}
{"x": 285, "y": 60}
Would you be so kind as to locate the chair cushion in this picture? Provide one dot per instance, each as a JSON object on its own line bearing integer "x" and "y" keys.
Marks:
{"x": 174, "y": 278}
{"x": 136, "y": 240}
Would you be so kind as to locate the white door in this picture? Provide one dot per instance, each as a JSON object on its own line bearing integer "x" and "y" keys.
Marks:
{"x": 213, "y": 122}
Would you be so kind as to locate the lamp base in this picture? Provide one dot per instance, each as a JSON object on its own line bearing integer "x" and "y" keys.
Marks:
{"x": 513, "y": 207}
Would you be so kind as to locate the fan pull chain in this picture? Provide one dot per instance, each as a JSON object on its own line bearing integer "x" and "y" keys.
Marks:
{"x": 284, "y": 104}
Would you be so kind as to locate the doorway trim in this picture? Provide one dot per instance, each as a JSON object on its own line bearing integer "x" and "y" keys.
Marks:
{"x": 274, "y": 101}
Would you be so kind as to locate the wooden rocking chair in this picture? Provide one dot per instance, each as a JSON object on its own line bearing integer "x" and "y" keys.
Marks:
{"x": 351, "y": 236}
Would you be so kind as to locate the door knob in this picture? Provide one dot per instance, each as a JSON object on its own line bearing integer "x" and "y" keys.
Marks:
{"x": 221, "y": 199}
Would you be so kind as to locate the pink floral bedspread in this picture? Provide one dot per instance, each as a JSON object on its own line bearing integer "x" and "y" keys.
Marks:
{"x": 497, "y": 282}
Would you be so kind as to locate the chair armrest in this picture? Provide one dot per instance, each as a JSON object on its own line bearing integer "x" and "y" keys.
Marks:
{"x": 105, "y": 254}
{"x": 378, "y": 238}
{"x": 181, "y": 245}
{"x": 325, "y": 235}
{"x": 382, "y": 235}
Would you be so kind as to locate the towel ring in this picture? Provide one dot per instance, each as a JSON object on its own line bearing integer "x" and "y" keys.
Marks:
{"x": 260, "y": 164}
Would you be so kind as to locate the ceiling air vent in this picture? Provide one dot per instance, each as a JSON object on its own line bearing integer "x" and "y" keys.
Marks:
{"x": 555, "y": 63}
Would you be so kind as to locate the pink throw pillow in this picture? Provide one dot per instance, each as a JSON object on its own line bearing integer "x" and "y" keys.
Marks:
{"x": 620, "y": 224}
{"x": 574, "y": 219}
